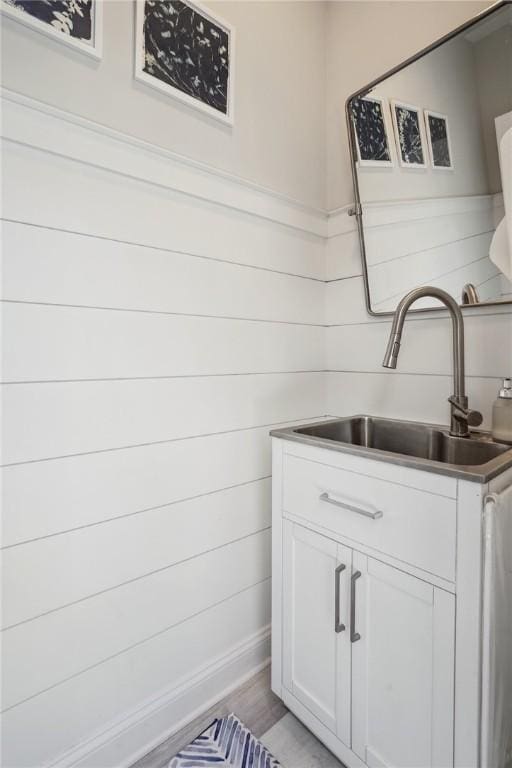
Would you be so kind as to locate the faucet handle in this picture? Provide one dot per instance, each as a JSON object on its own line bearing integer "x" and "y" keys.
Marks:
{"x": 463, "y": 413}
{"x": 474, "y": 418}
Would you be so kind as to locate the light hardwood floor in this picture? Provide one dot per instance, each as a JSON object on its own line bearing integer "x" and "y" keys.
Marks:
{"x": 254, "y": 703}
{"x": 295, "y": 747}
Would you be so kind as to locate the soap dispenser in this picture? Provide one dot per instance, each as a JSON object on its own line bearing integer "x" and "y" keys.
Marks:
{"x": 502, "y": 414}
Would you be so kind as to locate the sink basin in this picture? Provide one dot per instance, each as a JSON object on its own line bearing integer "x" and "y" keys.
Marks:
{"x": 424, "y": 446}
{"x": 409, "y": 438}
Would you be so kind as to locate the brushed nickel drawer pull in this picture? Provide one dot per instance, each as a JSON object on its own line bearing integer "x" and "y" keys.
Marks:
{"x": 365, "y": 512}
{"x": 338, "y": 626}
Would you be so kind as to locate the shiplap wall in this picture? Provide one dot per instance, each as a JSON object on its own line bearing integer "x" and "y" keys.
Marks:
{"x": 158, "y": 319}
{"x": 418, "y": 389}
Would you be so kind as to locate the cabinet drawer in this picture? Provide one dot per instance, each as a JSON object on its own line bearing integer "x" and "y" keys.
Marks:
{"x": 413, "y": 526}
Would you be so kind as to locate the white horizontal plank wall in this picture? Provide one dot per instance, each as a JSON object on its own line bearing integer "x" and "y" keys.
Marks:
{"x": 356, "y": 341}
{"x": 158, "y": 320}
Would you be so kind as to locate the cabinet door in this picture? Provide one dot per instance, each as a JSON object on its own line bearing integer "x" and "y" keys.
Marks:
{"x": 402, "y": 668}
{"x": 316, "y": 644}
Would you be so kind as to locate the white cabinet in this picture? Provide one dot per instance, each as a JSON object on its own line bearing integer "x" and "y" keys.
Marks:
{"x": 369, "y": 650}
{"x": 376, "y": 615}
{"x": 402, "y": 669}
{"x": 316, "y": 660}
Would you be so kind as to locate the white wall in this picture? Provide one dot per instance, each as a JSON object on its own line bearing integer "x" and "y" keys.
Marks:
{"x": 159, "y": 318}
{"x": 152, "y": 338}
{"x": 279, "y": 92}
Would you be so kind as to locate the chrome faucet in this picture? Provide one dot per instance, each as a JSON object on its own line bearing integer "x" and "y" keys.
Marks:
{"x": 462, "y": 417}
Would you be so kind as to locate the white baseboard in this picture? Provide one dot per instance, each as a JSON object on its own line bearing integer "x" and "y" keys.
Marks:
{"x": 136, "y": 733}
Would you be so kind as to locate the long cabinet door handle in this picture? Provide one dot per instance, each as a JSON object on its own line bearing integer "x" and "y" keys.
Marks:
{"x": 354, "y": 636}
{"x": 359, "y": 510}
{"x": 338, "y": 626}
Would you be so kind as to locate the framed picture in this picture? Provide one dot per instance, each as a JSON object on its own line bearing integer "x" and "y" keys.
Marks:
{"x": 368, "y": 116}
{"x": 408, "y": 127}
{"x": 438, "y": 137}
{"x": 187, "y": 52}
{"x": 77, "y": 23}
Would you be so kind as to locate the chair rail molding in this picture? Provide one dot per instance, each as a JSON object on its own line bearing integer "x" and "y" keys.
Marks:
{"x": 41, "y": 126}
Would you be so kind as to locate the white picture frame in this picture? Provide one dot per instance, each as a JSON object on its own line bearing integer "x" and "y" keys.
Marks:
{"x": 431, "y": 149}
{"x": 366, "y": 163}
{"x": 399, "y": 139}
{"x": 170, "y": 90}
{"x": 94, "y": 48}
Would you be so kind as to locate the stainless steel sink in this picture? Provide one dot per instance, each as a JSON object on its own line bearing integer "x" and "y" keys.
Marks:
{"x": 424, "y": 446}
{"x": 409, "y": 438}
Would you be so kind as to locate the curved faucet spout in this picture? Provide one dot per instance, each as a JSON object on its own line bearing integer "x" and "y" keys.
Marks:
{"x": 393, "y": 349}
{"x": 461, "y": 416}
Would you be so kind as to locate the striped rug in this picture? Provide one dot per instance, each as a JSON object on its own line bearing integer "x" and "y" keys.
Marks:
{"x": 226, "y": 742}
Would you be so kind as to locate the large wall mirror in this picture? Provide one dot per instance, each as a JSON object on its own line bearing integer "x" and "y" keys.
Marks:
{"x": 430, "y": 168}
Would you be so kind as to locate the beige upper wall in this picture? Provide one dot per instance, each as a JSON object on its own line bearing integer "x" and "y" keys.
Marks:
{"x": 364, "y": 39}
{"x": 278, "y": 137}
{"x": 288, "y": 135}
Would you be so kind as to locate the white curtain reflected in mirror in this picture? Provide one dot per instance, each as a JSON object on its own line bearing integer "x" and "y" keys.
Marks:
{"x": 431, "y": 207}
